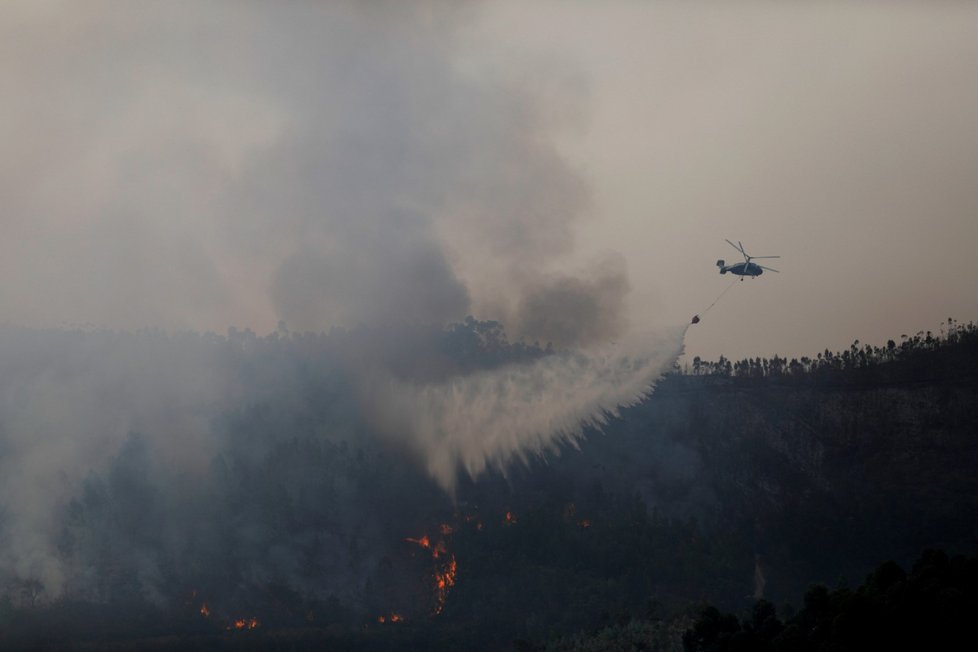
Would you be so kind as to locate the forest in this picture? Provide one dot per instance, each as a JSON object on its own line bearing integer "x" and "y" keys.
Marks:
{"x": 732, "y": 509}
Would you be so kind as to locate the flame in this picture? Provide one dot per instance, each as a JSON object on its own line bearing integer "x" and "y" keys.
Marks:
{"x": 438, "y": 550}
{"x": 394, "y": 617}
{"x": 244, "y": 623}
{"x": 510, "y": 518}
{"x": 444, "y": 581}
{"x": 584, "y": 523}
{"x": 204, "y": 611}
{"x": 424, "y": 541}
{"x": 445, "y": 568}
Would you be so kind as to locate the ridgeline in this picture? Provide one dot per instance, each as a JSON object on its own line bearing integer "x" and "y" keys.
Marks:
{"x": 734, "y": 482}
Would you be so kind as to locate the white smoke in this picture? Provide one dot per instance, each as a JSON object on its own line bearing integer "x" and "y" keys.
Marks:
{"x": 201, "y": 165}
{"x": 136, "y": 419}
{"x": 493, "y": 418}
{"x": 193, "y": 166}
{"x": 68, "y": 403}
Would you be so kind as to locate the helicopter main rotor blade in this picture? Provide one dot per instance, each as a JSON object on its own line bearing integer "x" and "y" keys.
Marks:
{"x": 740, "y": 249}
{"x": 770, "y": 269}
{"x": 765, "y": 256}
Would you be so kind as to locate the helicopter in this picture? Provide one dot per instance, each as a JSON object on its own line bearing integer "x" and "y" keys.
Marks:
{"x": 746, "y": 268}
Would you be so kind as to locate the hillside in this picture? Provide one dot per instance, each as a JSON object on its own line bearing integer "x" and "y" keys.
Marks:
{"x": 730, "y": 483}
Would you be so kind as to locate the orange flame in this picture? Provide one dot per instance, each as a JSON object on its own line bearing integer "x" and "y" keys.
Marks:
{"x": 204, "y": 611}
{"x": 245, "y": 623}
{"x": 438, "y": 550}
{"x": 424, "y": 541}
{"x": 444, "y": 581}
{"x": 444, "y": 573}
{"x": 511, "y": 518}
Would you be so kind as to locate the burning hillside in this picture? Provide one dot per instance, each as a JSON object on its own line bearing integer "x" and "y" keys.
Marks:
{"x": 444, "y": 566}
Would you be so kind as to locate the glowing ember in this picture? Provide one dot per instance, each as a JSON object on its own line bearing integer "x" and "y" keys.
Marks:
{"x": 392, "y": 618}
{"x": 444, "y": 581}
{"x": 445, "y": 568}
{"x": 438, "y": 550}
{"x": 424, "y": 541}
{"x": 584, "y": 523}
{"x": 204, "y": 611}
{"x": 510, "y": 518}
{"x": 244, "y": 623}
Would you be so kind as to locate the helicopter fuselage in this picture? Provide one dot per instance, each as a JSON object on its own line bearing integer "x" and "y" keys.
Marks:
{"x": 742, "y": 269}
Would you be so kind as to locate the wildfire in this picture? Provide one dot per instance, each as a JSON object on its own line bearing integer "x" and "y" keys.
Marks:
{"x": 392, "y": 618}
{"x": 438, "y": 550}
{"x": 424, "y": 541}
{"x": 244, "y": 623}
{"x": 445, "y": 568}
{"x": 444, "y": 581}
{"x": 236, "y": 624}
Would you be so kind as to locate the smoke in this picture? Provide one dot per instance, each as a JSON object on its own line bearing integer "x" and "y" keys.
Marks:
{"x": 69, "y": 403}
{"x": 135, "y": 465}
{"x": 569, "y": 310}
{"x": 186, "y": 166}
{"x": 323, "y": 164}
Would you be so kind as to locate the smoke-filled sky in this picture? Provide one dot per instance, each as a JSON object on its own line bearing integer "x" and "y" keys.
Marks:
{"x": 570, "y": 169}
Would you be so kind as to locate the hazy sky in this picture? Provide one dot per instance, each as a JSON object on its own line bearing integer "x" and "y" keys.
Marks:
{"x": 569, "y": 168}
{"x": 842, "y": 136}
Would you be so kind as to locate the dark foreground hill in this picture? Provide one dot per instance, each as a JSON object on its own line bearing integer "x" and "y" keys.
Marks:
{"x": 931, "y": 608}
